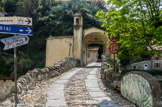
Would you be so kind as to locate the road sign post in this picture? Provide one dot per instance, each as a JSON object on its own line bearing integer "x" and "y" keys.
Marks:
{"x": 114, "y": 64}
{"x": 13, "y": 42}
{"x": 15, "y": 71}
{"x": 113, "y": 48}
{"x": 10, "y": 25}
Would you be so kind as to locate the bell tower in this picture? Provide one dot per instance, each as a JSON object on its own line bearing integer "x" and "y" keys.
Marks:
{"x": 78, "y": 38}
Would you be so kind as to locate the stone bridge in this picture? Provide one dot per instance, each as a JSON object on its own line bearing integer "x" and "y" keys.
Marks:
{"x": 65, "y": 84}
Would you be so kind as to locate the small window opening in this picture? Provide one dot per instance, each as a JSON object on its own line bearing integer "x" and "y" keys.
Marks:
{"x": 146, "y": 66}
{"x": 157, "y": 65}
{"x": 134, "y": 67}
{"x": 77, "y": 21}
{"x": 157, "y": 58}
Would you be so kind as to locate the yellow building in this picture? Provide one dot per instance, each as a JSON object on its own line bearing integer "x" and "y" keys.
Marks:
{"x": 57, "y": 48}
{"x": 92, "y": 54}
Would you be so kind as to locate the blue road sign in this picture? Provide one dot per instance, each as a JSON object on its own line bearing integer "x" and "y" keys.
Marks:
{"x": 12, "y": 29}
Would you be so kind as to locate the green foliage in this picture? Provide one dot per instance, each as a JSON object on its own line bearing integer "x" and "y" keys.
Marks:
{"x": 50, "y": 17}
{"x": 62, "y": 15}
{"x": 151, "y": 71}
{"x": 139, "y": 24}
{"x": 6, "y": 64}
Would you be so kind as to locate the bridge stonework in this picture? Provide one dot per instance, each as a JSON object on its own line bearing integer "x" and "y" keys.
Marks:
{"x": 140, "y": 88}
{"x": 32, "y": 77}
{"x": 5, "y": 87}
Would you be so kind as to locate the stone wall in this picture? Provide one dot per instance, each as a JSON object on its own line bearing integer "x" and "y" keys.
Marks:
{"x": 110, "y": 78}
{"x": 140, "y": 88}
{"x": 32, "y": 77}
{"x": 5, "y": 87}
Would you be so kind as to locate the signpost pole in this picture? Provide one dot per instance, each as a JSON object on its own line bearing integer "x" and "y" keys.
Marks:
{"x": 113, "y": 48}
{"x": 114, "y": 64}
{"x": 15, "y": 71}
{"x": 8, "y": 25}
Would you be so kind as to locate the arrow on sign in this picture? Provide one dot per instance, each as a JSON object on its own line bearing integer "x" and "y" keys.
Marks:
{"x": 29, "y": 30}
{"x": 26, "y": 38}
{"x": 28, "y": 20}
{"x": 15, "y": 41}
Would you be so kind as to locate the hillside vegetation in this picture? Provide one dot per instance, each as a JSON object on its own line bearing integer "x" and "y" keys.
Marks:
{"x": 50, "y": 17}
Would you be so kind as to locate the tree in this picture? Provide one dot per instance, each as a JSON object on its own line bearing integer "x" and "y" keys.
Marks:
{"x": 138, "y": 22}
{"x": 10, "y": 7}
{"x": 50, "y": 17}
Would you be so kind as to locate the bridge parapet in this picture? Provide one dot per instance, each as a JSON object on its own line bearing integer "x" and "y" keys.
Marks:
{"x": 37, "y": 75}
{"x": 140, "y": 88}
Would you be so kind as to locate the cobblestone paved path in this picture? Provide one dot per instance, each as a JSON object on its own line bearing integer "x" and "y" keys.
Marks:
{"x": 82, "y": 90}
{"x": 79, "y": 87}
{"x": 75, "y": 90}
{"x": 95, "y": 92}
{"x": 55, "y": 96}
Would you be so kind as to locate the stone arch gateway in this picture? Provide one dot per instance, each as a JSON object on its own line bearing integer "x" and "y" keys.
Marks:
{"x": 94, "y": 35}
{"x": 57, "y": 48}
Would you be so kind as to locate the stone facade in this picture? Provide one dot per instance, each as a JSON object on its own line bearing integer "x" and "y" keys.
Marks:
{"x": 110, "y": 78}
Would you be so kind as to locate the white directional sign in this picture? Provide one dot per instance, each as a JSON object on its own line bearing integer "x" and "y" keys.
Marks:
{"x": 25, "y": 21}
{"x": 15, "y": 41}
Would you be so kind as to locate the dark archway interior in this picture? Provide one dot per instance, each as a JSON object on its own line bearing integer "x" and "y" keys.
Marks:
{"x": 100, "y": 51}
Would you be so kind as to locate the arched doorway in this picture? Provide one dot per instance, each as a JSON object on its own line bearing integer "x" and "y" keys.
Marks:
{"x": 94, "y": 52}
{"x": 93, "y": 36}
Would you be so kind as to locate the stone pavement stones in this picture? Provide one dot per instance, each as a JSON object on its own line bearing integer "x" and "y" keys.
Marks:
{"x": 55, "y": 96}
{"x": 75, "y": 90}
{"x": 95, "y": 92}
{"x": 79, "y": 87}
{"x": 82, "y": 90}
{"x": 113, "y": 94}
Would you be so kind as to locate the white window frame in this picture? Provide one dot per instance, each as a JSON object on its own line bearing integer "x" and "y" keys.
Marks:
{"x": 147, "y": 66}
